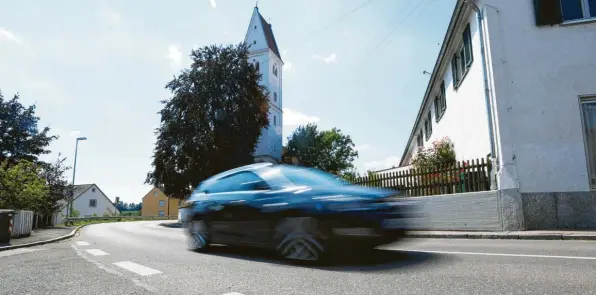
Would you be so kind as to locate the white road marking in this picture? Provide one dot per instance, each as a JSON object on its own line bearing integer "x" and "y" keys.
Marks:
{"x": 18, "y": 251}
{"x": 137, "y": 268}
{"x": 114, "y": 271}
{"x": 96, "y": 252}
{"x": 82, "y": 243}
{"x": 499, "y": 254}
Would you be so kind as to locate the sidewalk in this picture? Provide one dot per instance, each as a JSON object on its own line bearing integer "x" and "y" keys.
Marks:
{"x": 514, "y": 235}
{"x": 38, "y": 236}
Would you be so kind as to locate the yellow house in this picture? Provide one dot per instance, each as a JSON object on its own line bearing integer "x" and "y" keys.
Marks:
{"x": 156, "y": 203}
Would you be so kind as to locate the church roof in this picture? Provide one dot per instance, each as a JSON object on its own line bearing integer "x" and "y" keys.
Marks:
{"x": 269, "y": 35}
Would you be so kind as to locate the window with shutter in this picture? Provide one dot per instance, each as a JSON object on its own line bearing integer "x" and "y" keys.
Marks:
{"x": 443, "y": 98}
{"x": 554, "y": 12}
{"x": 547, "y": 12}
{"x": 437, "y": 108}
{"x": 463, "y": 58}
{"x": 468, "y": 56}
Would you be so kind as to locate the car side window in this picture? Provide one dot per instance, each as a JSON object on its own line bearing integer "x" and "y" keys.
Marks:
{"x": 242, "y": 181}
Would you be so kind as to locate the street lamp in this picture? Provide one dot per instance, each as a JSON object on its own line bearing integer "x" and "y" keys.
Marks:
{"x": 74, "y": 171}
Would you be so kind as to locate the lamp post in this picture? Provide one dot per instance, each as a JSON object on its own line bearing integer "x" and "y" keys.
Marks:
{"x": 74, "y": 171}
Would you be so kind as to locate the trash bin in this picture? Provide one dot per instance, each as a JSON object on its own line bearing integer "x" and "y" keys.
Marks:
{"x": 5, "y": 225}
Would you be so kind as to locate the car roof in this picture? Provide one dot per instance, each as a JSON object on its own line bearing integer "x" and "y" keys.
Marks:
{"x": 249, "y": 167}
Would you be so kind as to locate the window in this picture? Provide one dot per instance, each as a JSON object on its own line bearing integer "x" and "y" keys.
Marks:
{"x": 553, "y": 12}
{"x": 274, "y": 120}
{"x": 242, "y": 181}
{"x": 428, "y": 126}
{"x": 588, "y": 108}
{"x": 93, "y": 190}
{"x": 254, "y": 42}
{"x": 309, "y": 176}
{"x": 155, "y": 194}
{"x": 462, "y": 59}
{"x": 255, "y": 27}
{"x": 162, "y": 203}
{"x": 419, "y": 140}
{"x": 274, "y": 96}
{"x": 440, "y": 103}
{"x": 275, "y": 70}
{"x": 257, "y": 66}
{"x": 92, "y": 203}
{"x": 161, "y": 213}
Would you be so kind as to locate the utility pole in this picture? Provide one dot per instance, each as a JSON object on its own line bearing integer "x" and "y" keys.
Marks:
{"x": 74, "y": 172}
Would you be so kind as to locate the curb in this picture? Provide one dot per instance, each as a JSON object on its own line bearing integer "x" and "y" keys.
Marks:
{"x": 171, "y": 225}
{"x": 64, "y": 237}
{"x": 503, "y": 236}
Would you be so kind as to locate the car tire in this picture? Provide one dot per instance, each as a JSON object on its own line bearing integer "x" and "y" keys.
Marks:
{"x": 197, "y": 235}
{"x": 300, "y": 239}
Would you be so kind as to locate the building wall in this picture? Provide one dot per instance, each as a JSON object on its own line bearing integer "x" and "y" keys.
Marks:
{"x": 103, "y": 204}
{"x": 539, "y": 74}
{"x": 465, "y": 119}
{"x": 152, "y": 206}
{"x": 270, "y": 142}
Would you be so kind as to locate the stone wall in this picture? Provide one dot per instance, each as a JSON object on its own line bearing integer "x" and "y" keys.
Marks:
{"x": 565, "y": 210}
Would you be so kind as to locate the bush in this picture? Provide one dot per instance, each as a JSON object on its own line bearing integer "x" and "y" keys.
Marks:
{"x": 437, "y": 156}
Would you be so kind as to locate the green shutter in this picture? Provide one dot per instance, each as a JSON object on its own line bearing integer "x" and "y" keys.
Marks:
{"x": 547, "y": 12}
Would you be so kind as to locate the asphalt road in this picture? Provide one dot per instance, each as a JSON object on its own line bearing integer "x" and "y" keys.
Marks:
{"x": 145, "y": 258}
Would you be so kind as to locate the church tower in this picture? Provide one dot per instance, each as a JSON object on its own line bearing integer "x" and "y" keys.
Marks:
{"x": 264, "y": 54}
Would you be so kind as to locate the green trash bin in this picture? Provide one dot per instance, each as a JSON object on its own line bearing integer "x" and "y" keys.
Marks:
{"x": 5, "y": 225}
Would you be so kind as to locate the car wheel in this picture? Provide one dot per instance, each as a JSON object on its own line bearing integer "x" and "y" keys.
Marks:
{"x": 198, "y": 235}
{"x": 301, "y": 239}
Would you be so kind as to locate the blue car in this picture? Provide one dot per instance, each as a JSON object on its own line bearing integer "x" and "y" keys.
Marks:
{"x": 302, "y": 213}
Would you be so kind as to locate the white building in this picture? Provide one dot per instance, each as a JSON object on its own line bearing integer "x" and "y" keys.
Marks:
{"x": 264, "y": 53}
{"x": 517, "y": 80}
{"x": 88, "y": 199}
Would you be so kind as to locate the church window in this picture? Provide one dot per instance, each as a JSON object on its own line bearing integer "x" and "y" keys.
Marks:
{"x": 275, "y": 70}
{"x": 257, "y": 65}
{"x": 274, "y": 96}
{"x": 275, "y": 120}
{"x": 254, "y": 42}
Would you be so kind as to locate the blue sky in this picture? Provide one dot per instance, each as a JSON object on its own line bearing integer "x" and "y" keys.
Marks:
{"x": 98, "y": 69}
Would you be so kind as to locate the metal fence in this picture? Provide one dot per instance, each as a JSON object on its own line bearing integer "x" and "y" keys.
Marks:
{"x": 22, "y": 223}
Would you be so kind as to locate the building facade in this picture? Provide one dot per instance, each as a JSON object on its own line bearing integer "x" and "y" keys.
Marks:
{"x": 517, "y": 80}
{"x": 90, "y": 201}
{"x": 264, "y": 54}
{"x": 156, "y": 203}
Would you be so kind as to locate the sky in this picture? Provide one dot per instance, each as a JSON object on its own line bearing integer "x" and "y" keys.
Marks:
{"x": 98, "y": 69}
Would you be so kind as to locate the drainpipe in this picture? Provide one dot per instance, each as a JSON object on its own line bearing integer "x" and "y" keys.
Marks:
{"x": 493, "y": 158}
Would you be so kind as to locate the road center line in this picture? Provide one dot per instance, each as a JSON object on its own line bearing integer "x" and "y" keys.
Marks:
{"x": 96, "y": 252}
{"x": 82, "y": 243}
{"x": 499, "y": 254}
{"x": 137, "y": 268}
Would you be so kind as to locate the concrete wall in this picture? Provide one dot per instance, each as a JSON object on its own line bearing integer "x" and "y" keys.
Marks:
{"x": 538, "y": 75}
{"x": 465, "y": 120}
{"x": 477, "y": 211}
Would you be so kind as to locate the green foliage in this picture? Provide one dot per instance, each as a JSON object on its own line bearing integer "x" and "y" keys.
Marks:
{"x": 212, "y": 122}
{"x": 328, "y": 150}
{"x": 21, "y": 188}
{"x": 20, "y": 137}
{"x": 76, "y": 213}
{"x": 439, "y": 155}
{"x": 58, "y": 187}
{"x": 94, "y": 215}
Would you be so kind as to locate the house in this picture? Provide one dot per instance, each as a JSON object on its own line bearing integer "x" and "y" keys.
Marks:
{"x": 517, "y": 80}
{"x": 89, "y": 200}
{"x": 264, "y": 54}
{"x": 156, "y": 203}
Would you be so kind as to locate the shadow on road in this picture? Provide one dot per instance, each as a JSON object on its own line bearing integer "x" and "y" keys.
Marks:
{"x": 375, "y": 260}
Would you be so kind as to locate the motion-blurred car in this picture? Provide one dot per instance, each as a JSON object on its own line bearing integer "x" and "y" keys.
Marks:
{"x": 302, "y": 213}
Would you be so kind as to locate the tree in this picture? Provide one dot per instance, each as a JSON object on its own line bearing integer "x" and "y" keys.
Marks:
{"x": 20, "y": 137}
{"x": 58, "y": 187}
{"x": 21, "y": 188}
{"x": 212, "y": 122}
{"x": 328, "y": 150}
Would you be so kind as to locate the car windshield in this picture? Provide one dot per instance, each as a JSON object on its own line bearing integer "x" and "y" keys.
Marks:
{"x": 309, "y": 176}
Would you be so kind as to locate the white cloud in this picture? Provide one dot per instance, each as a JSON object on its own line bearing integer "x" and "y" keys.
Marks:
{"x": 362, "y": 147}
{"x": 174, "y": 55}
{"x": 392, "y": 161}
{"x": 74, "y": 133}
{"x": 295, "y": 118}
{"x": 6, "y": 35}
{"x": 288, "y": 66}
{"x": 213, "y": 3}
{"x": 110, "y": 17}
{"x": 331, "y": 58}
